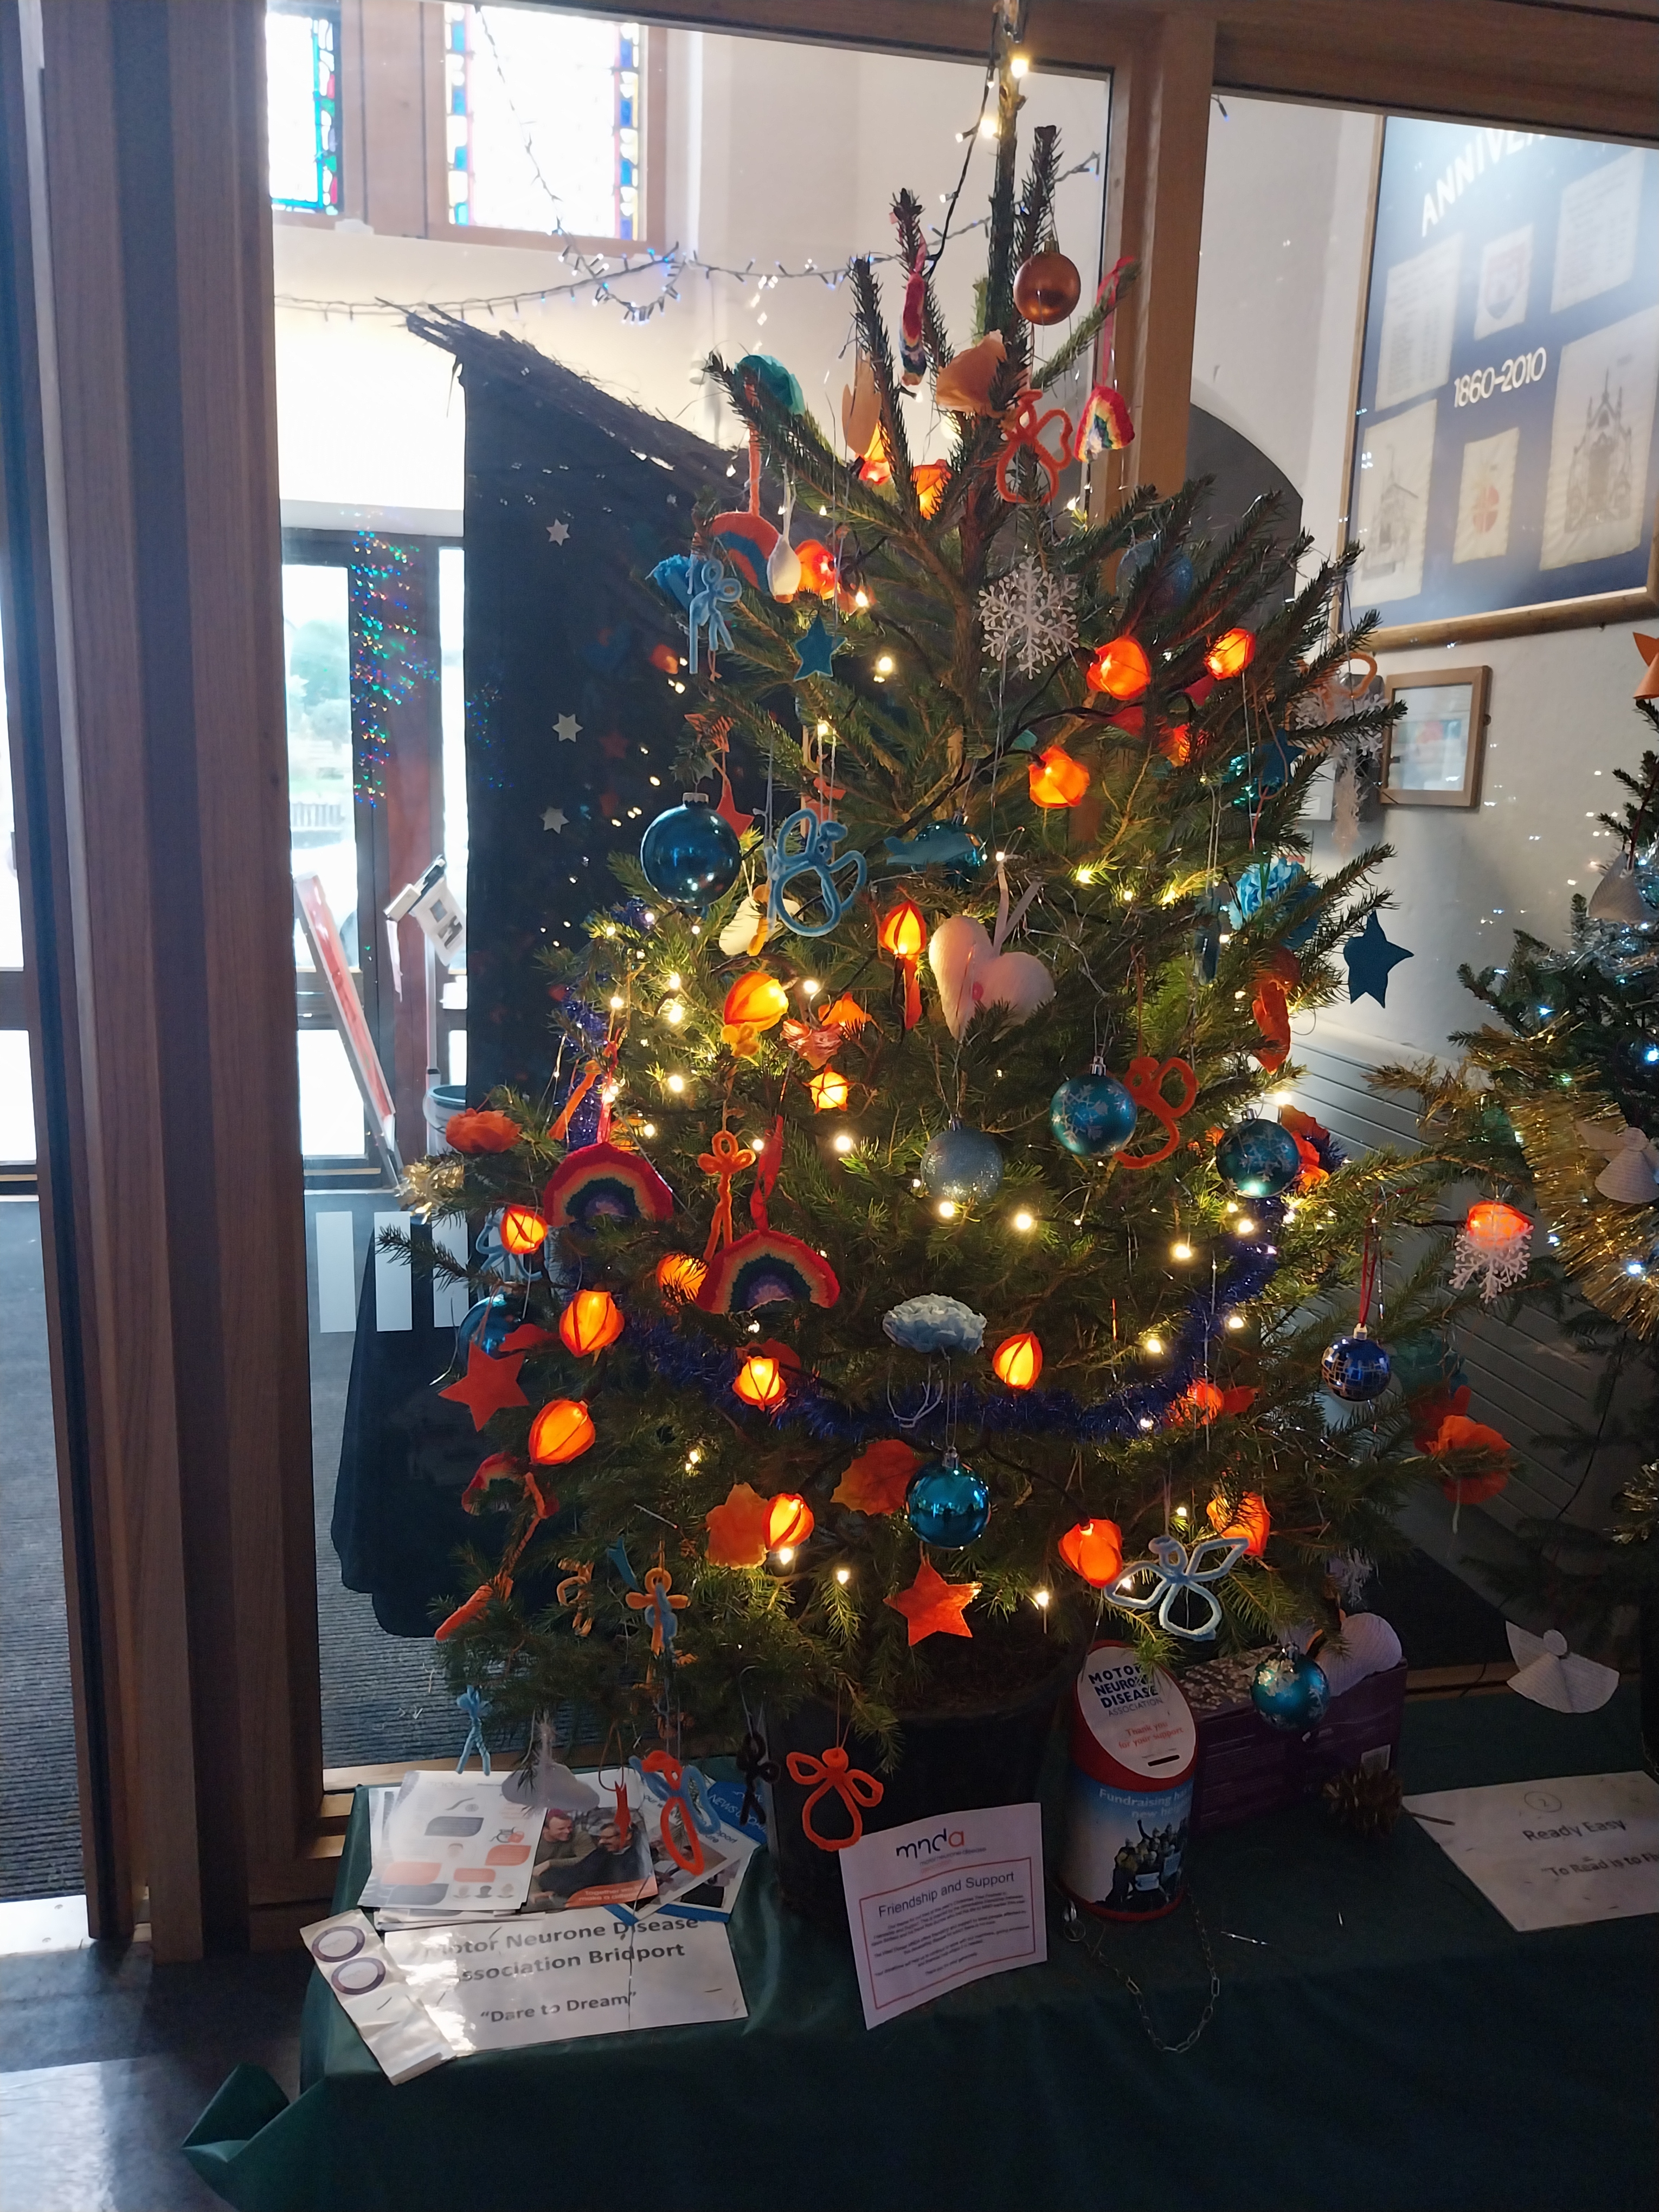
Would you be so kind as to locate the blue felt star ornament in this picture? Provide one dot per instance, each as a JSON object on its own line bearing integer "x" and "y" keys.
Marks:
{"x": 1371, "y": 958}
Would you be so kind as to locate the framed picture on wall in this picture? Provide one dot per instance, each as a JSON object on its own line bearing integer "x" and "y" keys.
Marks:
{"x": 1504, "y": 471}
{"x": 1431, "y": 755}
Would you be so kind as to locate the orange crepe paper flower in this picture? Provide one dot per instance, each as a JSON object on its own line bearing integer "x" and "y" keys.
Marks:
{"x": 1457, "y": 1433}
{"x": 877, "y": 1478}
{"x": 1250, "y": 1519}
{"x": 1430, "y": 1409}
{"x": 481, "y": 1130}
{"x": 737, "y": 1531}
{"x": 1205, "y": 1399}
{"x": 846, "y": 1014}
{"x": 1094, "y": 1551}
{"x": 933, "y": 1607}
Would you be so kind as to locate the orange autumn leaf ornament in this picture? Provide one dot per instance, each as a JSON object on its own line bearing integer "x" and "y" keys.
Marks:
{"x": 737, "y": 1529}
{"x": 877, "y": 1478}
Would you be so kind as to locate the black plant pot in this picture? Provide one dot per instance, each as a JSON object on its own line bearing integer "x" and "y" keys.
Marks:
{"x": 952, "y": 1762}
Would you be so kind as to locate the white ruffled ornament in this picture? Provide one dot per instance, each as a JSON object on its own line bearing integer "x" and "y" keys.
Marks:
{"x": 1631, "y": 1175}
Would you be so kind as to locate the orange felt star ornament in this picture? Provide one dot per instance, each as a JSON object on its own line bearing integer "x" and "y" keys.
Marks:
{"x": 877, "y": 1478}
{"x": 487, "y": 1385}
{"x": 737, "y": 1529}
{"x": 933, "y": 1607}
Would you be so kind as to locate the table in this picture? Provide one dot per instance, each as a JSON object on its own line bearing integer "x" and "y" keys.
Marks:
{"x": 1383, "y": 2043}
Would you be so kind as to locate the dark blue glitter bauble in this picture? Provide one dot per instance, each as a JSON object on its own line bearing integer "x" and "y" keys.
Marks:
{"x": 488, "y": 1323}
{"x": 690, "y": 854}
{"x": 1258, "y": 1158}
{"x": 1091, "y": 1115}
{"x": 1290, "y": 1691}
{"x": 1355, "y": 1367}
{"x": 961, "y": 1163}
{"x": 947, "y": 1503}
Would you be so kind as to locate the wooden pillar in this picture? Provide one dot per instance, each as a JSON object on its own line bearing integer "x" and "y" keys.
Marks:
{"x": 149, "y": 205}
{"x": 1154, "y": 212}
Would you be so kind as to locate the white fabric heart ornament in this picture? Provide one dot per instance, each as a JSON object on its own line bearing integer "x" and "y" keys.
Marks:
{"x": 971, "y": 974}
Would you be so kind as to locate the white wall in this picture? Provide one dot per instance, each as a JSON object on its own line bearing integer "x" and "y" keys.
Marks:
{"x": 1280, "y": 288}
{"x": 776, "y": 153}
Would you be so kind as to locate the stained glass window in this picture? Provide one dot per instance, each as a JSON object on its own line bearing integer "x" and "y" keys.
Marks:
{"x": 542, "y": 122}
{"x": 302, "y": 102}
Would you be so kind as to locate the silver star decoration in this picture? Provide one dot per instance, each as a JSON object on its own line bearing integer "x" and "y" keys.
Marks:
{"x": 558, "y": 532}
{"x": 568, "y": 729}
{"x": 554, "y": 817}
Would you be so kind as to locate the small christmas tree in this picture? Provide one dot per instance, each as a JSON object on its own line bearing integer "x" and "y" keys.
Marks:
{"x": 1568, "y": 1113}
{"x": 902, "y": 1251}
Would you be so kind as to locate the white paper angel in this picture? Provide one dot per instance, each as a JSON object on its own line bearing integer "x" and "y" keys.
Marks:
{"x": 1552, "y": 1676}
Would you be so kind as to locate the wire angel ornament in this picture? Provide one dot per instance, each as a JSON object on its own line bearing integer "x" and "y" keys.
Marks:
{"x": 1178, "y": 1581}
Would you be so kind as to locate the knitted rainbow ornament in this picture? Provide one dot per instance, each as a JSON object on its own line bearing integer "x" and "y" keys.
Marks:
{"x": 602, "y": 1183}
{"x": 763, "y": 1267}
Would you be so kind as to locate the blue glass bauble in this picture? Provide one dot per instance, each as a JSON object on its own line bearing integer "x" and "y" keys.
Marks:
{"x": 961, "y": 1163}
{"x": 947, "y": 1503}
{"x": 690, "y": 854}
{"x": 488, "y": 1323}
{"x": 1091, "y": 1115}
{"x": 1262, "y": 882}
{"x": 1355, "y": 1367}
{"x": 1290, "y": 1691}
{"x": 1258, "y": 1160}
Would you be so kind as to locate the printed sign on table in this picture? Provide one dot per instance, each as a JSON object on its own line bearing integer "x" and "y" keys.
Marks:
{"x": 1553, "y": 1854}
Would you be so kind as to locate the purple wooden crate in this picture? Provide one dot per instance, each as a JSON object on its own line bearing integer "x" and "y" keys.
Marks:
{"x": 1245, "y": 1767}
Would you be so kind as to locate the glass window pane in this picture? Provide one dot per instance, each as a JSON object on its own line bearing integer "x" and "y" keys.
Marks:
{"x": 17, "y": 1099}
{"x": 302, "y": 108}
{"x": 11, "y": 912}
{"x": 541, "y": 124}
{"x": 317, "y": 663}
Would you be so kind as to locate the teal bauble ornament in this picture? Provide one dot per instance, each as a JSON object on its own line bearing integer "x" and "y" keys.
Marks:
{"x": 963, "y": 1164}
{"x": 1290, "y": 1691}
{"x": 1092, "y": 1114}
{"x": 1258, "y": 1158}
{"x": 690, "y": 854}
{"x": 947, "y": 1503}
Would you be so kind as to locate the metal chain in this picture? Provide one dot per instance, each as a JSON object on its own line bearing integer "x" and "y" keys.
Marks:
{"x": 1075, "y": 1933}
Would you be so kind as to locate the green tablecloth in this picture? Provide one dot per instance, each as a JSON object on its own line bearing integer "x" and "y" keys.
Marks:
{"x": 1384, "y": 2040}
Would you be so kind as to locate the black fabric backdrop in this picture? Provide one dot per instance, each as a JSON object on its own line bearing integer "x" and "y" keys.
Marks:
{"x": 572, "y": 497}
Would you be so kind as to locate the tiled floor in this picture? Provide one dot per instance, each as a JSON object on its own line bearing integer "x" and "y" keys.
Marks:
{"x": 106, "y": 2060}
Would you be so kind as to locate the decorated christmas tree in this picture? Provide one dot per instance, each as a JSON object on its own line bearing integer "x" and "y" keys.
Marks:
{"x": 1567, "y": 1112}
{"x": 906, "y": 1275}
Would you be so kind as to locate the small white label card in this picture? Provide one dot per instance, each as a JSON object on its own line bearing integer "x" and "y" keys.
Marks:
{"x": 374, "y": 1995}
{"x": 1553, "y": 1854}
{"x": 549, "y": 1977}
{"x": 943, "y": 1902}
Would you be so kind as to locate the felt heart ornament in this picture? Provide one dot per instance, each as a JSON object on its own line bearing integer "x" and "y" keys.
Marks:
{"x": 971, "y": 974}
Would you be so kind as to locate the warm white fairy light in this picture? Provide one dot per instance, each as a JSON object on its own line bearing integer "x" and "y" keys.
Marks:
{"x": 1024, "y": 1222}
{"x": 674, "y": 1012}
{"x": 1281, "y": 1099}
{"x": 844, "y": 1575}
{"x": 810, "y": 986}
{"x": 1181, "y": 1251}
{"x": 784, "y": 1553}
{"x": 677, "y": 1083}
{"x": 1039, "y": 1599}
{"x": 616, "y": 1002}
{"x": 947, "y": 1209}
{"x": 1153, "y": 1343}
{"x": 694, "y": 1455}
{"x": 674, "y": 982}
{"x": 648, "y": 1129}
{"x": 1181, "y": 1513}
{"x": 842, "y": 1141}
{"x": 1244, "y": 1228}
{"x": 884, "y": 666}
{"x": 1017, "y": 65}
{"x": 1235, "y": 1320}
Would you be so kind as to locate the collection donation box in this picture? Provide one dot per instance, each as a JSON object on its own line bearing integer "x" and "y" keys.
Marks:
{"x": 1129, "y": 1797}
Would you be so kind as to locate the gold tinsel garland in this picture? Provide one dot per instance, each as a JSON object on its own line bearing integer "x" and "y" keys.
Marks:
{"x": 1595, "y": 1239}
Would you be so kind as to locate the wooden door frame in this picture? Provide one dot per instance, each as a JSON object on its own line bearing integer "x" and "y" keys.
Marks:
{"x": 142, "y": 607}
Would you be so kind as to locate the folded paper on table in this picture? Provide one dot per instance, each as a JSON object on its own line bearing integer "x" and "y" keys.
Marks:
{"x": 1553, "y": 1854}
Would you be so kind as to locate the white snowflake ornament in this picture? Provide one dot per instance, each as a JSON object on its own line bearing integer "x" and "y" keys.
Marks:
{"x": 1029, "y": 613}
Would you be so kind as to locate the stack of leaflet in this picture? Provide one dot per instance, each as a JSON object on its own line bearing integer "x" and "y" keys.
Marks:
{"x": 446, "y": 1848}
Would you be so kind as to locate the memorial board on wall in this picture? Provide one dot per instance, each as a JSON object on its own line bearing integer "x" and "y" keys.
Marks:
{"x": 1506, "y": 470}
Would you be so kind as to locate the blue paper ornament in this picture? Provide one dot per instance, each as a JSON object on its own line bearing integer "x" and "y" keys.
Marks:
{"x": 815, "y": 649}
{"x": 1290, "y": 1691}
{"x": 946, "y": 1504}
{"x": 804, "y": 846}
{"x": 1371, "y": 957}
{"x": 963, "y": 1164}
{"x": 934, "y": 1323}
{"x": 1258, "y": 1160}
{"x": 1265, "y": 883}
{"x": 712, "y": 592}
{"x": 779, "y": 383}
{"x": 1356, "y": 1368}
{"x": 690, "y": 854}
{"x": 1092, "y": 1114}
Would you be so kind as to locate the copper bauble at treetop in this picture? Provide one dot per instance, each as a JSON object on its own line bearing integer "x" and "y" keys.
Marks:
{"x": 1046, "y": 287}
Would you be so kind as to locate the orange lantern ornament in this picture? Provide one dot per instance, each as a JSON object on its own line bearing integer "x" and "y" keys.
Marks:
{"x": 590, "y": 1321}
{"x": 756, "y": 1001}
{"x": 523, "y": 1230}
{"x": 1121, "y": 669}
{"x": 1057, "y": 779}
{"x": 760, "y": 1382}
{"x": 1232, "y": 653}
{"x": 1250, "y": 1519}
{"x": 789, "y": 1521}
{"x": 563, "y": 1430}
{"x": 1494, "y": 1245}
{"x": 930, "y": 479}
{"x": 1094, "y": 1550}
{"x": 902, "y": 936}
{"x": 680, "y": 1276}
{"x": 830, "y": 1091}
{"x": 818, "y": 568}
{"x": 1017, "y": 1360}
